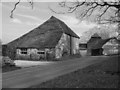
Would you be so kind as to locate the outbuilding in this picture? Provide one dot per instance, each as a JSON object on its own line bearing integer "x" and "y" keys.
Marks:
{"x": 94, "y": 45}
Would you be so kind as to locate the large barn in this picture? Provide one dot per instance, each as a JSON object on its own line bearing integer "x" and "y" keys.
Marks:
{"x": 52, "y": 39}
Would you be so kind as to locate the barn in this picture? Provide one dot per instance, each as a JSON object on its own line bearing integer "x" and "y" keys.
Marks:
{"x": 112, "y": 47}
{"x": 52, "y": 39}
{"x": 83, "y": 49}
{"x": 94, "y": 45}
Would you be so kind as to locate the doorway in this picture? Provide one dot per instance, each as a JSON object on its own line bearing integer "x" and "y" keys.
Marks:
{"x": 96, "y": 52}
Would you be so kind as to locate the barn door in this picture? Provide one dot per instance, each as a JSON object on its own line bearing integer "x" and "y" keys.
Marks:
{"x": 95, "y": 52}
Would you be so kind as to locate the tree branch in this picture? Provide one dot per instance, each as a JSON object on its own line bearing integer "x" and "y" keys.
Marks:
{"x": 103, "y": 12}
{"x": 31, "y": 3}
{"x": 103, "y": 6}
{"x": 14, "y": 8}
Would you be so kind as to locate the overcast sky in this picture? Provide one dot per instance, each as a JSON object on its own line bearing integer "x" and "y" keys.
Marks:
{"x": 25, "y": 19}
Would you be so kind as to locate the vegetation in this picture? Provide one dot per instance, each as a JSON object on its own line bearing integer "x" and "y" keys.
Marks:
{"x": 103, "y": 31}
{"x": 7, "y": 64}
{"x": 101, "y": 75}
{"x": 103, "y": 11}
{"x": 68, "y": 57}
{"x": 100, "y": 9}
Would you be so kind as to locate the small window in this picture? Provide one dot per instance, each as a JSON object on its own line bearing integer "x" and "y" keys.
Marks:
{"x": 23, "y": 50}
{"x": 83, "y": 46}
{"x": 41, "y": 52}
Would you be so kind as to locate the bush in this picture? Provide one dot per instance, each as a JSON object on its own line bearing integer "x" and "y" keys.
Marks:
{"x": 7, "y": 61}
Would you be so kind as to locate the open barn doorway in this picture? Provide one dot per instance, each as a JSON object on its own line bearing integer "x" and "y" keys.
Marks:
{"x": 96, "y": 52}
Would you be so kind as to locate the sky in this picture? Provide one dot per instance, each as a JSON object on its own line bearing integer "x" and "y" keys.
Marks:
{"x": 26, "y": 19}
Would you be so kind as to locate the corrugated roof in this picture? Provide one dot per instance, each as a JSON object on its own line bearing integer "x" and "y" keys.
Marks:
{"x": 46, "y": 35}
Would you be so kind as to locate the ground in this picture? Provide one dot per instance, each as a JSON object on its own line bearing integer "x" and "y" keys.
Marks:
{"x": 8, "y": 68}
{"x": 27, "y": 77}
{"x": 84, "y": 72}
{"x": 24, "y": 63}
{"x": 100, "y": 75}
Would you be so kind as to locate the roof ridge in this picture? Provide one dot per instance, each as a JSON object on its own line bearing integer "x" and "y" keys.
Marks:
{"x": 60, "y": 22}
{"x": 95, "y": 35}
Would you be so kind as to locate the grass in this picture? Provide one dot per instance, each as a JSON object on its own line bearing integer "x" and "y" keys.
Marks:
{"x": 68, "y": 57}
{"x": 8, "y": 68}
{"x": 100, "y": 75}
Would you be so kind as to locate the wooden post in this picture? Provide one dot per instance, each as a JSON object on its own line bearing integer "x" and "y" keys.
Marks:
{"x": 70, "y": 45}
{"x": 45, "y": 54}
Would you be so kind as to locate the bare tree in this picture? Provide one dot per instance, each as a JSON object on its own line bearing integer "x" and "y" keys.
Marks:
{"x": 17, "y": 3}
{"x": 100, "y": 11}
{"x": 104, "y": 11}
{"x": 103, "y": 31}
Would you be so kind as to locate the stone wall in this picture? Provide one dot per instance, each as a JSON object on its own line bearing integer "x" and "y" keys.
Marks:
{"x": 63, "y": 46}
{"x": 67, "y": 45}
{"x": 32, "y": 54}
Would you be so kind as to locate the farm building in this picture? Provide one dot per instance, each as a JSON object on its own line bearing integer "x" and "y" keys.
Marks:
{"x": 52, "y": 39}
{"x": 94, "y": 45}
{"x": 83, "y": 49}
{"x": 111, "y": 47}
{"x": 83, "y": 46}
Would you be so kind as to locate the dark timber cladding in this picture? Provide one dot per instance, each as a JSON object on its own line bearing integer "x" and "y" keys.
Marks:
{"x": 94, "y": 45}
{"x": 43, "y": 37}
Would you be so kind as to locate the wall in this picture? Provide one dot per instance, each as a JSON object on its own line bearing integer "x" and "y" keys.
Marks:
{"x": 63, "y": 46}
{"x": 90, "y": 44}
{"x": 67, "y": 45}
{"x": 50, "y": 53}
{"x": 31, "y": 54}
{"x": 75, "y": 45}
{"x": 83, "y": 52}
{"x": 61, "y": 49}
{"x": 111, "y": 47}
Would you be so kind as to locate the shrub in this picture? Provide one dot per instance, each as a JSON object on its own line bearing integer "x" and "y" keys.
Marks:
{"x": 7, "y": 61}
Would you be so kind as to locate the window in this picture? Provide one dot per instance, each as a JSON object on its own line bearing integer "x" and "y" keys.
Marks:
{"x": 41, "y": 52}
{"x": 83, "y": 46}
{"x": 23, "y": 50}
